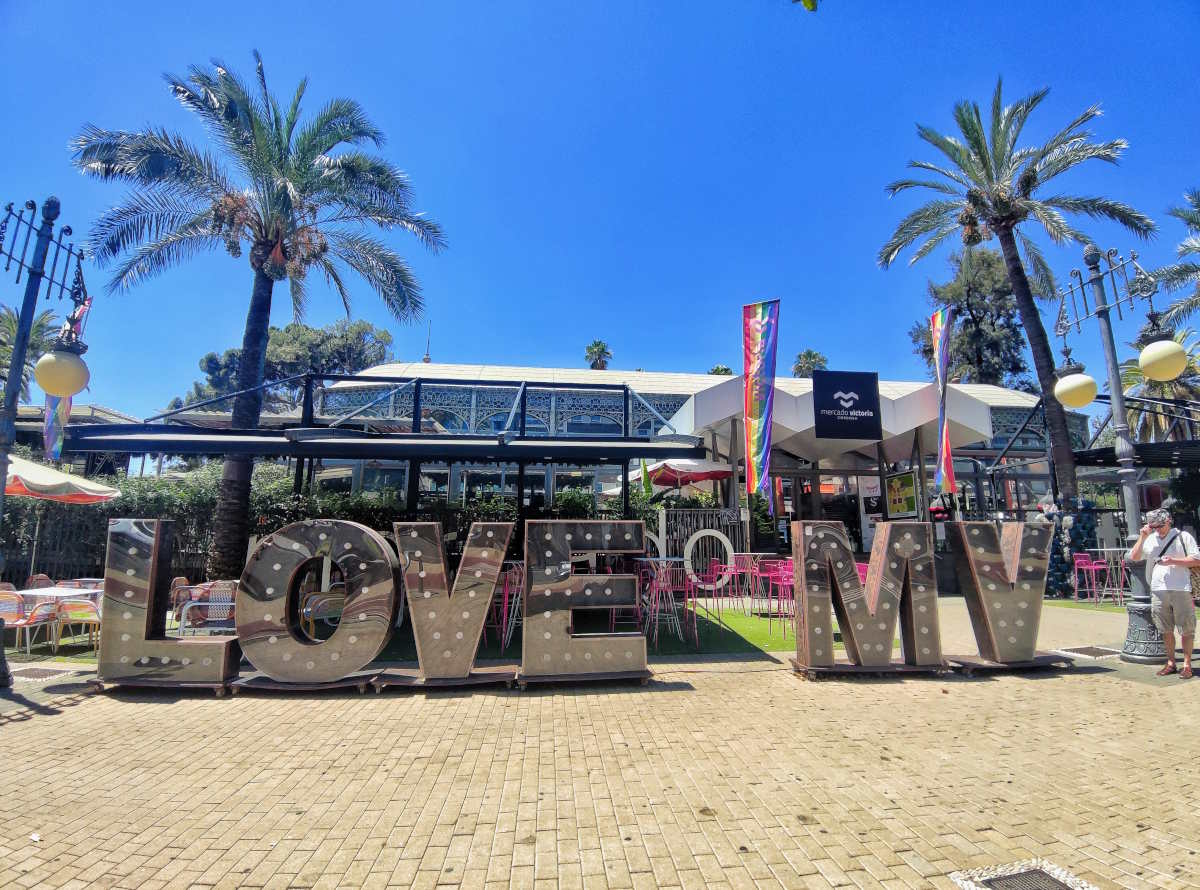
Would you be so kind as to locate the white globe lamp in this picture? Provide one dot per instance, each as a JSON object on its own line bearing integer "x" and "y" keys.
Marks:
{"x": 61, "y": 372}
{"x": 1163, "y": 360}
{"x": 1074, "y": 389}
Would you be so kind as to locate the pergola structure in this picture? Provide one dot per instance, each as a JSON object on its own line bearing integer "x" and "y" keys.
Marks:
{"x": 356, "y": 434}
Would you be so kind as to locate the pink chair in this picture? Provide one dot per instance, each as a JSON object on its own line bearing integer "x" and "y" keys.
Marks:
{"x": 1089, "y": 570}
{"x": 81, "y": 613}
{"x": 43, "y": 615}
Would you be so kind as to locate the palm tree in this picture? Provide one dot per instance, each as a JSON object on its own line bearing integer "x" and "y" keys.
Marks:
{"x": 992, "y": 187}
{"x": 597, "y": 355}
{"x": 1187, "y": 271}
{"x": 41, "y": 337}
{"x": 296, "y": 204}
{"x": 1149, "y": 422}
{"x": 808, "y": 361}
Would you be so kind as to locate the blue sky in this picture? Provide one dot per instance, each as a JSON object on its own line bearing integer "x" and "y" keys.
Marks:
{"x": 630, "y": 171}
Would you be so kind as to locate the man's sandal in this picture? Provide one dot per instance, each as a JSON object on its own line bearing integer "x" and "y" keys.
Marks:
{"x": 1185, "y": 674}
{"x": 1167, "y": 670}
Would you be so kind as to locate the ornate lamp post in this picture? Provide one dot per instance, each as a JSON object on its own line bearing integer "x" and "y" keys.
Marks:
{"x": 15, "y": 252}
{"x": 1160, "y": 360}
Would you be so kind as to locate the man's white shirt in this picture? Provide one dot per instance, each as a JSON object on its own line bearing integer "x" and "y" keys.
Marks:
{"x": 1161, "y": 577}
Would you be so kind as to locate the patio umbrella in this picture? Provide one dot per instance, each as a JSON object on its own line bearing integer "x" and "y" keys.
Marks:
{"x": 686, "y": 471}
{"x": 33, "y": 480}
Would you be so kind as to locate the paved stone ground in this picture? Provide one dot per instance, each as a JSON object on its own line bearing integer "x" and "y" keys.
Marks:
{"x": 719, "y": 773}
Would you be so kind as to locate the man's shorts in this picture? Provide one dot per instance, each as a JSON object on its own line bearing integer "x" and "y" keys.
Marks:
{"x": 1173, "y": 609}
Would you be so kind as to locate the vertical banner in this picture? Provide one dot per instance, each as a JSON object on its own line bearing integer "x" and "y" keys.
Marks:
{"x": 760, "y": 331}
{"x": 58, "y": 412}
{"x": 939, "y": 328}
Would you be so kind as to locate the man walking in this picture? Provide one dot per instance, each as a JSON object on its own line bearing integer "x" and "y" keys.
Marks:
{"x": 1170, "y": 554}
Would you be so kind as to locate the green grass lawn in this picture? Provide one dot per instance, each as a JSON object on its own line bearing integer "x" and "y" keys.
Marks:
{"x": 1080, "y": 604}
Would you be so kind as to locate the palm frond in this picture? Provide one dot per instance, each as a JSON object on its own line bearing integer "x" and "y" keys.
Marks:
{"x": 340, "y": 122}
{"x": 383, "y": 269}
{"x": 1104, "y": 208}
{"x": 144, "y": 215}
{"x": 894, "y": 188}
{"x": 958, "y": 153}
{"x": 299, "y": 294}
{"x": 925, "y": 219}
{"x": 158, "y": 256}
{"x": 334, "y": 279}
{"x": 157, "y": 159}
{"x": 1052, "y": 221}
{"x": 934, "y": 240}
{"x": 941, "y": 171}
{"x": 970, "y": 124}
{"x": 1073, "y": 153}
{"x": 1041, "y": 276}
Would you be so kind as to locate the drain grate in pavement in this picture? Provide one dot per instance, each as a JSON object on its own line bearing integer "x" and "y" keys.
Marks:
{"x": 1092, "y": 651}
{"x": 1032, "y": 874}
{"x": 37, "y": 673}
{"x": 1034, "y": 879}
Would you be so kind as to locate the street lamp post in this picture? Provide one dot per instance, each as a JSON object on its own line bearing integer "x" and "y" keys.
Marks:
{"x": 1143, "y": 642}
{"x": 16, "y": 253}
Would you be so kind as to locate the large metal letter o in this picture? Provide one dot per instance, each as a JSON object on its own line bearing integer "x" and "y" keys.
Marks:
{"x": 267, "y": 619}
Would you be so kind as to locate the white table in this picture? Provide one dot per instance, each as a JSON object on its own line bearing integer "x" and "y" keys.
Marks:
{"x": 35, "y": 595}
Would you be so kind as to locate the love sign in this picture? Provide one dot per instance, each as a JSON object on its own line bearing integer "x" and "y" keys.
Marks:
{"x": 1002, "y": 573}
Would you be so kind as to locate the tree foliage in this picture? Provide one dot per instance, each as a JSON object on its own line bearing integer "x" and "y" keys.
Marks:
{"x": 808, "y": 361}
{"x": 598, "y": 355}
{"x": 988, "y": 185}
{"x": 1150, "y": 423}
{"x": 1186, "y": 272}
{"x": 344, "y": 347}
{"x": 41, "y": 338}
{"x": 721, "y": 370}
{"x": 987, "y": 344}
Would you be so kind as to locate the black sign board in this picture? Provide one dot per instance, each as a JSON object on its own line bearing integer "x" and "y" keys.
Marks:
{"x": 846, "y": 405}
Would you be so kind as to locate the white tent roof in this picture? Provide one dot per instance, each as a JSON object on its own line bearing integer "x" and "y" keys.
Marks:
{"x": 904, "y": 407}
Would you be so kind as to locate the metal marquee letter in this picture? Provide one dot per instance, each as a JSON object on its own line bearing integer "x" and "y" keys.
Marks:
{"x": 447, "y": 625}
{"x": 549, "y": 649}
{"x": 134, "y": 647}
{"x": 1003, "y": 579}
{"x": 901, "y": 583}
{"x": 267, "y": 604}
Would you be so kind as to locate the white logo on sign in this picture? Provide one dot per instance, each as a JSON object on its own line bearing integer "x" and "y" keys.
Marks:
{"x": 846, "y": 399}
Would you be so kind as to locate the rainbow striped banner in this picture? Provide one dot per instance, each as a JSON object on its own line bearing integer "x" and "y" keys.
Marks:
{"x": 760, "y": 332}
{"x": 58, "y": 412}
{"x": 940, "y": 324}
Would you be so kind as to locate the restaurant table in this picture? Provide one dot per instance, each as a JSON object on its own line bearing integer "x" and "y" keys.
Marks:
{"x": 1114, "y": 576}
{"x": 35, "y": 595}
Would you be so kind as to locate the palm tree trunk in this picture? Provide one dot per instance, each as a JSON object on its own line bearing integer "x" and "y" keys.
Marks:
{"x": 231, "y": 522}
{"x": 1043, "y": 364}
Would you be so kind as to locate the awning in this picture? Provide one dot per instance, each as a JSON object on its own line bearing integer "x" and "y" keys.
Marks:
{"x": 33, "y": 480}
{"x": 1167, "y": 455}
{"x": 321, "y": 442}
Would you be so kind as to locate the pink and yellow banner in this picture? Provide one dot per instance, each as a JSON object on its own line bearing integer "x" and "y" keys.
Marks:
{"x": 940, "y": 324}
{"x": 760, "y": 332}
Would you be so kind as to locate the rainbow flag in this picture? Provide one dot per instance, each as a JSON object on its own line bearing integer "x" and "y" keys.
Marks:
{"x": 760, "y": 332}
{"x": 940, "y": 324}
{"x": 58, "y": 412}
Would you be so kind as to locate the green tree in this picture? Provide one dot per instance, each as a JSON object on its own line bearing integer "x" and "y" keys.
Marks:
{"x": 598, "y": 355}
{"x": 1150, "y": 423}
{"x": 986, "y": 343}
{"x": 721, "y": 370}
{"x": 41, "y": 337}
{"x": 301, "y": 197}
{"x": 994, "y": 188}
{"x": 344, "y": 347}
{"x": 808, "y": 361}
{"x": 1180, "y": 275}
